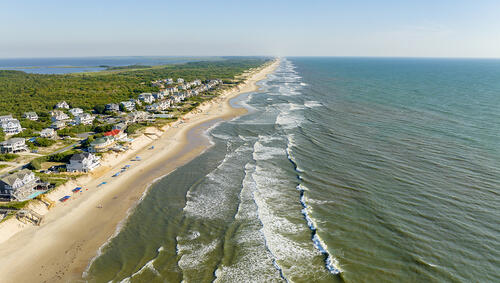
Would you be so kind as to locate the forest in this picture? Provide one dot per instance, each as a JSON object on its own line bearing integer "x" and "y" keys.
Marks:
{"x": 21, "y": 92}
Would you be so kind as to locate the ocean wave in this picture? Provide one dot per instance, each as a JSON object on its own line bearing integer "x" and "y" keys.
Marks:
{"x": 148, "y": 266}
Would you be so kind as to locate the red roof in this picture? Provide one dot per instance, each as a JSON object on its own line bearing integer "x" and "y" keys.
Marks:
{"x": 112, "y": 133}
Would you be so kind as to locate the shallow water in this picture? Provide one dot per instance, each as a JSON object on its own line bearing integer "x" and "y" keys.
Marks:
{"x": 345, "y": 169}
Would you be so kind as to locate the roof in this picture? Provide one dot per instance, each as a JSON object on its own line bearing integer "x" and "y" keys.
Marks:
{"x": 10, "y": 179}
{"x": 100, "y": 140}
{"x": 80, "y": 156}
{"x": 112, "y": 132}
{"x": 12, "y": 141}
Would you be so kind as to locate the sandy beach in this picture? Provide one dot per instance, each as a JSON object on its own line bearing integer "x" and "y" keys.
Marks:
{"x": 72, "y": 232}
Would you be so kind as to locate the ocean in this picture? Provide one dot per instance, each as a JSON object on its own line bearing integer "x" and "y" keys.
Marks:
{"x": 89, "y": 64}
{"x": 344, "y": 169}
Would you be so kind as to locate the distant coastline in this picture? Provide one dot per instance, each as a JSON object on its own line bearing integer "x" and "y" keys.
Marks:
{"x": 92, "y": 64}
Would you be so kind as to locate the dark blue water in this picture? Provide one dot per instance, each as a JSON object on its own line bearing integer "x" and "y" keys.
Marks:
{"x": 345, "y": 169}
{"x": 88, "y": 64}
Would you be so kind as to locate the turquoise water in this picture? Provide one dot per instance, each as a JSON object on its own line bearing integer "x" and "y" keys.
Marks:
{"x": 345, "y": 169}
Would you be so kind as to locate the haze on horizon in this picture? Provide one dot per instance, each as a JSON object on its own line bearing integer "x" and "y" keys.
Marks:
{"x": 439, "y": 28}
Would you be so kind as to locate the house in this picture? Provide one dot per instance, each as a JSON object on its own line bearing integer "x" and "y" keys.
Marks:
{"x": 128, "y": 105}
{"x": 62, "y": 105}
{"x": 75, "y": 111}
{"x": 83, "y": 162}
{"x": 138, "y": 116}
{"x": 169, "y": 81}
{"x": 120, "y": 126}
{"x": 84, "y": 119}
{"x": 159, "y": 95}
{"x": 13, "y": 145}
{"x": 31, "y": 116}
{"x": 57, "y": 125}
{"x": 48, "y": 133}
{"x": 180, "y": 80}
{"x": 112, "y": 107}
{"x": 58, "y": 115}
{"x": 22, "y": 185}
{"x": 146, "y": 98}
{"x": 6, "y": 118}
{"x": 101, "y": 144}
{"x": 116, "y": 134}
{"x": 11, "y": 127}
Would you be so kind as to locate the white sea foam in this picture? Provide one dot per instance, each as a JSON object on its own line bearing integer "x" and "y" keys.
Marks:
{"x": 148, "y": 266}
{"x": 253, "y": 262}
{"x": 271, "y": 199}
{"x": 312, "y": 104}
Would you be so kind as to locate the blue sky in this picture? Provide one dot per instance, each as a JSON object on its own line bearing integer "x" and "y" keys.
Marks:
{"x": 438, "y": 28}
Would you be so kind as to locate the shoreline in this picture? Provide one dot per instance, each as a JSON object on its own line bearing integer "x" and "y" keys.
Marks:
{"x": 73, "y": 233}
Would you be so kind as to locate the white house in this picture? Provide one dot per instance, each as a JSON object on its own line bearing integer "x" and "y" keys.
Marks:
{"x": 62, "y": 105}
{"x": 84, "y": 119}
{"x": 48, "y": 133}
{"x": 180, "y": 80}
{"x": 31, "y": 116}
{"x": 11, "y": 127}
{"x": 128, "y": 105}
{"x": 159, "y": 95}
{"x": 58, "y": 115}
{"x": 83, "y": 162}
{"x": 13, "y": 145}
{"x": 58, "y": 125}
{"x": 76, "y": 111}
{"x": 146, "y": 97}
{"x": 6, "y": 118}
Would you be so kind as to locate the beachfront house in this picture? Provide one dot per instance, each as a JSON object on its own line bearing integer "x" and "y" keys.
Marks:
{"x": 48, "y": 133}
{"x": 120, "y": 126}
{"x": 146, "y": 98}
{"x": 84, "y": 119}
{"x": 112, "y": 107}
{"x": 58, "y": 115}
{"x": 62, "y": 105}
{"x": 128, "y": 105}
{"x": 11, "y": 127}
{"x": 118, "y": 135}
{"x": 75, "y": 111}
{"x": 13, "y": 145}
{"x": 138, "y": 116}
{"x": 83, "y": 162}
{"x": 21, "y": 186}
{"x": 30, "y": 116}
{"x": 101, "y": 144}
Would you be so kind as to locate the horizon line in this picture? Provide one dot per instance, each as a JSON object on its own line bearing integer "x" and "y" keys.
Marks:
{"x": 273, "y": 56}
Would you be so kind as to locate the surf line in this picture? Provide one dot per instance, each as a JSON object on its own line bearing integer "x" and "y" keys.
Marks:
{"x": 318, "y": 244}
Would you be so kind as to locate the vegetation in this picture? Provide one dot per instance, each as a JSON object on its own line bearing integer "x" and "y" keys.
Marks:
{"x": 44, "y": 142}
{"x": 36, "y": 164}
{"x": 21, "y": 92}
{"x": 8, "y": 156}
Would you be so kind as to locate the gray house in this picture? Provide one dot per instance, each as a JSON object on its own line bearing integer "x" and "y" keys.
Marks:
{"x": 21, "y": 186}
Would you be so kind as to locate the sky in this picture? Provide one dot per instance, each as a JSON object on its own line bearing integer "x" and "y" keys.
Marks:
{"x": 389, "y": 28}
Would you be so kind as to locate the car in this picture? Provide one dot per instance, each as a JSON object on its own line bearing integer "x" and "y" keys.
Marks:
{"x": 76, "y": 190}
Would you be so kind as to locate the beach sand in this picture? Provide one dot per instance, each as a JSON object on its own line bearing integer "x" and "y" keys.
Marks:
{"x": 72, "y": 232}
